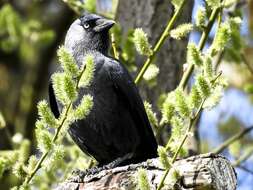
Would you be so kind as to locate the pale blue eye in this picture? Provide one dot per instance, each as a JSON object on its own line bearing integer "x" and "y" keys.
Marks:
{"x": 86, "y": 25}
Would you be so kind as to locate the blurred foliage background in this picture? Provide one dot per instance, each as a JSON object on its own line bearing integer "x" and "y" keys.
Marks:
{"x": 32, "y": 30}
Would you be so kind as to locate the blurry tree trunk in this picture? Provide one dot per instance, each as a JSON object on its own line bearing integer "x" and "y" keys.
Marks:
{"x": 152, "y": 16}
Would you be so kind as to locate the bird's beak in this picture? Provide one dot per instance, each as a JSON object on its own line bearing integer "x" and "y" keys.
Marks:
{"x": 103, "y": 24}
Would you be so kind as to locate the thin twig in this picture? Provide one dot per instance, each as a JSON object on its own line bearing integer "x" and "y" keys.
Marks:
{"x": 245, "y": 61}
{"x": 160, "y": 42}
{"x": 201, "y": 45}
{"x": 180, "y": 146}
{"x": 115, "y": 52}
{"x": 232, "y": 140}
{"x": 218, "y": 60}
{"x": 243, "y": 158}
{"x": 245, "y": 169}
{"x": 43, "y": 157}
{"x": 55, "y": 137}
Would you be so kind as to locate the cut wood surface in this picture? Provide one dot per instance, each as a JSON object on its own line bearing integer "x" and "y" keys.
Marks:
{"x": 201, "y": 172}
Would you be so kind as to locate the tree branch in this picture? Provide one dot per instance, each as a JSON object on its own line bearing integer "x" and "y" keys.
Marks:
{"x": 206, "y": 171}
{"x": 244, "y": 157}
{"x": 245, "y": 61}
{"x": 246, "y": 169}
{"x": 231, "y": 140}
{"x": 201, "y": 45}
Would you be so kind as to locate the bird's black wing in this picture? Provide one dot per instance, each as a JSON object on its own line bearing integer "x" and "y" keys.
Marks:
{"x": 126, "y": 89}
{"x": 52, "y": 101}
{"x": 55, "y": 107}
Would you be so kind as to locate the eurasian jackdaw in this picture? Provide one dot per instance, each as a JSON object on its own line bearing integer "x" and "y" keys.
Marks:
{"x": 117, "y": 127}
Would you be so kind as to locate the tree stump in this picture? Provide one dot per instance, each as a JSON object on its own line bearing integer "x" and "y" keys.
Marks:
{"x": 201, "y": 172}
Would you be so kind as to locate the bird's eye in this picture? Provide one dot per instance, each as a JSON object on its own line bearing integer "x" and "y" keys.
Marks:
{"x": 86, "y": 25}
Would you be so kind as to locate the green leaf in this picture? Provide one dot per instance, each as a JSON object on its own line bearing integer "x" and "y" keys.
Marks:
{"x": 3, "y": 166}
{"x": 90, "y": 5}
{"x": 10, "y": 25}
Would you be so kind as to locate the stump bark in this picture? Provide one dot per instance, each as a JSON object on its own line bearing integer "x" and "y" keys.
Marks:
{"x": 201, "y": 172}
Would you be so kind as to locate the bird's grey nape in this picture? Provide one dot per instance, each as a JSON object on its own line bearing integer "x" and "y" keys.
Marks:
{"x": 80, "y": 41}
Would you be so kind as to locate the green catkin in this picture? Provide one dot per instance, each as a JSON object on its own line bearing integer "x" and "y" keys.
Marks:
{"x": 181, "y": 103}
{"x": 151, "y": 72}
{"x": 83, "y": 109}
{"x": 222, "y": 37}
{"x": 195, "y": 97}
{"x": 141, "y": 42}
{"x": 46, "y": 114}
{"x": 88, "y": 74}
{"x": 18, "y": 170}
{"x": 56, "y": 157}
{"x": 67, "y": 61}
{"x": 201, "y": 18}
{"x": 24, "y": 150}
{"x": 213, "y": 3}
{"x": 31, "y": 163}
{"x": 168, "y": 109}
{"x": 208, "y": 67}
{"x": 44, "y": 139}
{"x": 193, "y": 55}
{"x": 203, "y": 87}
{"x": 57, "y": 79}
{"x": 142, "y": 178}
{"x": 163, "y": 157}
{"x": 181, "y": 31}
{"x": 177, "y": 127}
{"x": 69, "y": 88}
{"x": 151, "y": 115}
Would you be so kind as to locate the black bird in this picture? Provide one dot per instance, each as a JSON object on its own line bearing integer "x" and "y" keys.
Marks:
{"x": 117, "y": 127}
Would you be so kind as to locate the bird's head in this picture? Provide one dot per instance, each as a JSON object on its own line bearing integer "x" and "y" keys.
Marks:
{"x": 88, "y": 33}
